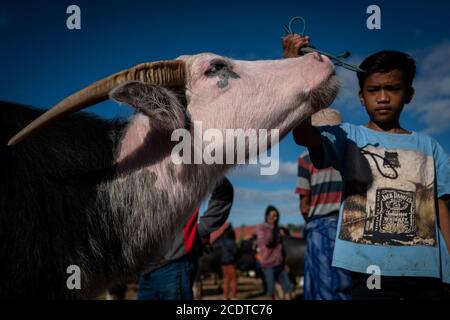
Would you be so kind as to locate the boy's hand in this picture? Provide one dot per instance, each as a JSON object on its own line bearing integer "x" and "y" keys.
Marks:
{"x": 305, "y": 134}
{"x": 292, "y": 44}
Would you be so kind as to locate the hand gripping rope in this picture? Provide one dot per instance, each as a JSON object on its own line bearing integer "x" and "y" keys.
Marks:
{"x": 337, "y": 60}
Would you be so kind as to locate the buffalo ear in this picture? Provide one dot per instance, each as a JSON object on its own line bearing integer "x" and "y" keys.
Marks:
{"x": 124, "y": 93}
{"x": 161, "y": 105}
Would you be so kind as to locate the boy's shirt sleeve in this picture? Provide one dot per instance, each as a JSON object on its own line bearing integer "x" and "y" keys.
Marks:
{"x": 303, "y": 176}
{"x": 442, "y": 162}
{"x": 332, "y": 151}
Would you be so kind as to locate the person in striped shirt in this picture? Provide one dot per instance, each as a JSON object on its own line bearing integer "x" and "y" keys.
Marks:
{"x": 320, "y": 196}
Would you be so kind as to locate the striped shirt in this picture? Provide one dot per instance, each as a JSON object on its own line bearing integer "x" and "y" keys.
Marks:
{"x": 322, "y": 185}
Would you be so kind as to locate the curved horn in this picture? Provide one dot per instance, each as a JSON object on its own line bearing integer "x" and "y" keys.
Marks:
{"x": 163, "y": 73}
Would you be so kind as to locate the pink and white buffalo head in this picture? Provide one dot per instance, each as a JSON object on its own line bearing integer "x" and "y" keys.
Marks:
{"x": 272, "y": 94}
{"x": 219, "y": 92}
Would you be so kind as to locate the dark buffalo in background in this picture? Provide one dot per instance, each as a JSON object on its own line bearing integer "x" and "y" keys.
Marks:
{"x": 295, "y": 248}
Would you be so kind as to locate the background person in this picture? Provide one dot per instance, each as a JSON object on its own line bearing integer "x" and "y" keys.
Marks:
{"x": 174, "y": 278}
{"x": 271, "y": 254}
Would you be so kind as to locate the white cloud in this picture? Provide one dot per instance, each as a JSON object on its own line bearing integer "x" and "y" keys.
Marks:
{"x": 347, "y": 100}
{"x": 348, "y": 93}
{"x": 247, "y": 194}
{"x": 431, "y": 104}
{"x": 250, "y": 203}
{"x": 286, "y": 171}
{"x": 436, "y": 114}
{"x": 249, "y": 206}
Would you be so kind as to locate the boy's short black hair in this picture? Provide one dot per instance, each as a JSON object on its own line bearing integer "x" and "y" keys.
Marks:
{"x": 386, "y": 61}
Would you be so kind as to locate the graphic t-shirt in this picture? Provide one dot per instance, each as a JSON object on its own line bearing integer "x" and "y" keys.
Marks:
{"x": 388, "y": 211}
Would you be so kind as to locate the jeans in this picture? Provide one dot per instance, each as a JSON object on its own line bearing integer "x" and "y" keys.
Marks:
{"x": 172, "y": 281}
{"x": 277, "y": 273}
{"x": 322, "y": 280}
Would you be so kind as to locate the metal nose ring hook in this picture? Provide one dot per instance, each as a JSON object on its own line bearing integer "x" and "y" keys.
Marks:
{"x": 337, "y": 60}
{"x": 288, "y": 28}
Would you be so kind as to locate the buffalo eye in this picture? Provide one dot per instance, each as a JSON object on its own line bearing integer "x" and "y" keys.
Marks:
{"x": 215, "y": 67}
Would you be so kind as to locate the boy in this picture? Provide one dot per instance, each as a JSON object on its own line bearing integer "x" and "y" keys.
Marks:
{"x": 393, "y": 216}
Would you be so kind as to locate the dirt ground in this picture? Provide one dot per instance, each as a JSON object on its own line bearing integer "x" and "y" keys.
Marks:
{"x": 248, "y": 288}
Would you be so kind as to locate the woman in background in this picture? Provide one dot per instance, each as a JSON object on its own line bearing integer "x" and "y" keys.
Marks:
{"x": 271, "y": 254}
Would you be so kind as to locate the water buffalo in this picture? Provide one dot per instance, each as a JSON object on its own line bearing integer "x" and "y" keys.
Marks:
{"x": 106, "y": 196}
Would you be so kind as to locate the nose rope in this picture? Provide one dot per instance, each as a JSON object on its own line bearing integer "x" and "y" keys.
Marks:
{"x": 337, "y": 60}
{"x": 374, "y": 157}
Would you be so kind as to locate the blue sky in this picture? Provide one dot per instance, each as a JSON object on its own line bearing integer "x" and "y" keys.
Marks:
{"x": 42, "y": 61}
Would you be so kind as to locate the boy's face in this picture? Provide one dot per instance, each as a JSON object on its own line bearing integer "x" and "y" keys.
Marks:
{"x": 384, "y": 95}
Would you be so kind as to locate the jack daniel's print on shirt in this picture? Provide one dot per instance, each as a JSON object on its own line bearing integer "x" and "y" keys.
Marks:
{"x": 389, "y": 198}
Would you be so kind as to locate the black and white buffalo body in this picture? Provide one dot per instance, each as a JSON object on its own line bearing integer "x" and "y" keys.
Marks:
{"x": 107, "y": 196}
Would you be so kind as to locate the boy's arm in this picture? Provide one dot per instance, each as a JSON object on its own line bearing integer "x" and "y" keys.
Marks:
{"x": 444, "y": 221}
{"x": 442, "y": 181}
{"x": 307, "y": 135}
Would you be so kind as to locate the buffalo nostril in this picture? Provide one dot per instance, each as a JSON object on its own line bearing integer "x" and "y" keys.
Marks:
{"x": 317, "y": 56}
